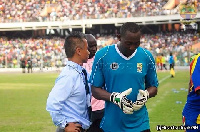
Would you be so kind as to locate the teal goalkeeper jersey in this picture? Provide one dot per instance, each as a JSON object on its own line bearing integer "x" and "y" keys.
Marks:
{"x": 117, "y": 73}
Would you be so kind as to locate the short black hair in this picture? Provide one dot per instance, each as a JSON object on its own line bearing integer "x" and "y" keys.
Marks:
{"x": 129, "y": 26}
{"x": 72, "y": 41}
{"x": 89, "y": 37}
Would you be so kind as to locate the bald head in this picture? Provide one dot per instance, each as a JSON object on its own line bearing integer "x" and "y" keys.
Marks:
{"x": 92, "y": 44}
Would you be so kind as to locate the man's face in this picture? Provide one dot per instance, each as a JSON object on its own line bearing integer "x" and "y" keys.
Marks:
{"x": 92, "y": 47}
{"x": 84, "y": 52}
{"x": 129, "y": 42}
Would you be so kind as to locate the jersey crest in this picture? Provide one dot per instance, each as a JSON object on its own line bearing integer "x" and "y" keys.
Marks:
{"x": 139, "y": 67}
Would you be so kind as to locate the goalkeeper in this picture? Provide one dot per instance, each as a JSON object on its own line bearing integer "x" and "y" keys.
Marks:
{"x": 128, "y": 73}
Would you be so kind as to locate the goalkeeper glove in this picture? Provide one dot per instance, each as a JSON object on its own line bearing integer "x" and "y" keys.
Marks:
{"x": 121, "y": 100}
{"x": 142, "y": 98}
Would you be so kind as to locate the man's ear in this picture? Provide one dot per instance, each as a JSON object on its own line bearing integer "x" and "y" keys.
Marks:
{"x": 119, "y": 37}
{"x": 78, "y": 51}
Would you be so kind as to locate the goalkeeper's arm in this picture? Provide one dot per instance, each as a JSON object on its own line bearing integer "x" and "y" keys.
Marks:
{"x": 152, "y": 91}
{"x": 100, "y": 93}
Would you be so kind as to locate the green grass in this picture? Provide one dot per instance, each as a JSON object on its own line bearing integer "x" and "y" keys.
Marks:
{"x": 163, "y": 109}
{"x": 23, "y": 101}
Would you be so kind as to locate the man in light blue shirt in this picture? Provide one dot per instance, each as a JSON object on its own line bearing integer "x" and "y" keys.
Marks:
{"x": 69, "y": 100}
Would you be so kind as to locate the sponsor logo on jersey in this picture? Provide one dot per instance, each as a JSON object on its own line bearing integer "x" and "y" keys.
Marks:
{"x": 114, "y": 66}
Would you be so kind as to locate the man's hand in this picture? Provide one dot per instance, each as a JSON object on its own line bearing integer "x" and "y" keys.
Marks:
{"x": 73, "y": 127}
{"x": 142, "y": 98}
{"x": 121, "y": 100}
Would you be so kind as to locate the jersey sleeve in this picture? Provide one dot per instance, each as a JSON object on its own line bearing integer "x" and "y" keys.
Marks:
{"x": 151, "y": 76}
{"x": 97, "y": 77}
{"x": 196, "y": 75}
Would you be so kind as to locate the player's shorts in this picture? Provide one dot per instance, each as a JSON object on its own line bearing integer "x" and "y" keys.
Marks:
{"x": 192, "y": 122}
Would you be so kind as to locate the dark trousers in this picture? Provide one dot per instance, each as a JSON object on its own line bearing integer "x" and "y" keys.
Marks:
{"x": 96, "y": 117}
{"x": 95, "y": 127}
{"x": 30, "y": 70}
{"x": 171, "y": 66}
{"x": 164, "y": 66}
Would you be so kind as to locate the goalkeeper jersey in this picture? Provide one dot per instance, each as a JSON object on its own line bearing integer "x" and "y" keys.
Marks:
{"x": 119, "y": 73}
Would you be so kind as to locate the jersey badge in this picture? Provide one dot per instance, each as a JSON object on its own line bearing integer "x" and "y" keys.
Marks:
{"x": 139, "y": 67}
{"x": 114, "y": 66}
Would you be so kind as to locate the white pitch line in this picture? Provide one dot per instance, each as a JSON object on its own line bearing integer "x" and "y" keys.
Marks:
{"x": 163, "y": 79}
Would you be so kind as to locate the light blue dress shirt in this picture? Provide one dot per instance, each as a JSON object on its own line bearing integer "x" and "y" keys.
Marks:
{"x": 67, "y": 101}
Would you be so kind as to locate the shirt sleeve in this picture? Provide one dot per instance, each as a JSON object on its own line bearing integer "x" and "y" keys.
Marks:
{"x": 97, "y": 77}
{"x": 57, "y": 97}
{"x": 196, "y": 75}
{"x": 151, "y": 76}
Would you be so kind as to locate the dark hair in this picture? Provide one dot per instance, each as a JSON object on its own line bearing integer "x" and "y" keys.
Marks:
{"x": 89, "y": 37}
{"x": 72, "y": 41}
{"x": 129, "y": 26}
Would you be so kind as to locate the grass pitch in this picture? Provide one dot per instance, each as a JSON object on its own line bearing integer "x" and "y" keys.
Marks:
{"x": 166, "y": 108}
{"x": 23, "y": 101}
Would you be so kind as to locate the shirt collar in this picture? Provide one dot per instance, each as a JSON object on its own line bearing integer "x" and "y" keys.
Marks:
{"x": 75, "y": 66}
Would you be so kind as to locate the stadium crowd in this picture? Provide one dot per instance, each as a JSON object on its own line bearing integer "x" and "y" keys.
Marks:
{"x": 50, "y": 53}
{"x": 47, "y": 51}
{"x": 61, "y": 10}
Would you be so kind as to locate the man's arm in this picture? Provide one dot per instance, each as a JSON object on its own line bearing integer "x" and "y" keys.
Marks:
{"x": 100, "y": 93}
{"x": 57, "y": 98}
{"x": 152, "y": 91}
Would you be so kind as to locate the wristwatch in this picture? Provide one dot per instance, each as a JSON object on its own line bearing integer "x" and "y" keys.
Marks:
{"x": 66, "y": 125}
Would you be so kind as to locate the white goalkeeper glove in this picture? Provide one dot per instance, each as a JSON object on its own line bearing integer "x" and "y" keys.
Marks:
{"x": 142, "y": 98}
{"x": 120, "y": 99}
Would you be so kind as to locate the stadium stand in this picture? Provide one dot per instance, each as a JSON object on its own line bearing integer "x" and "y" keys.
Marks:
{"x": 60, "y": 10}
{"x": 48, "y": 52}
{"x": 46, "y": 10}
{"x": 52, "y": 52}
